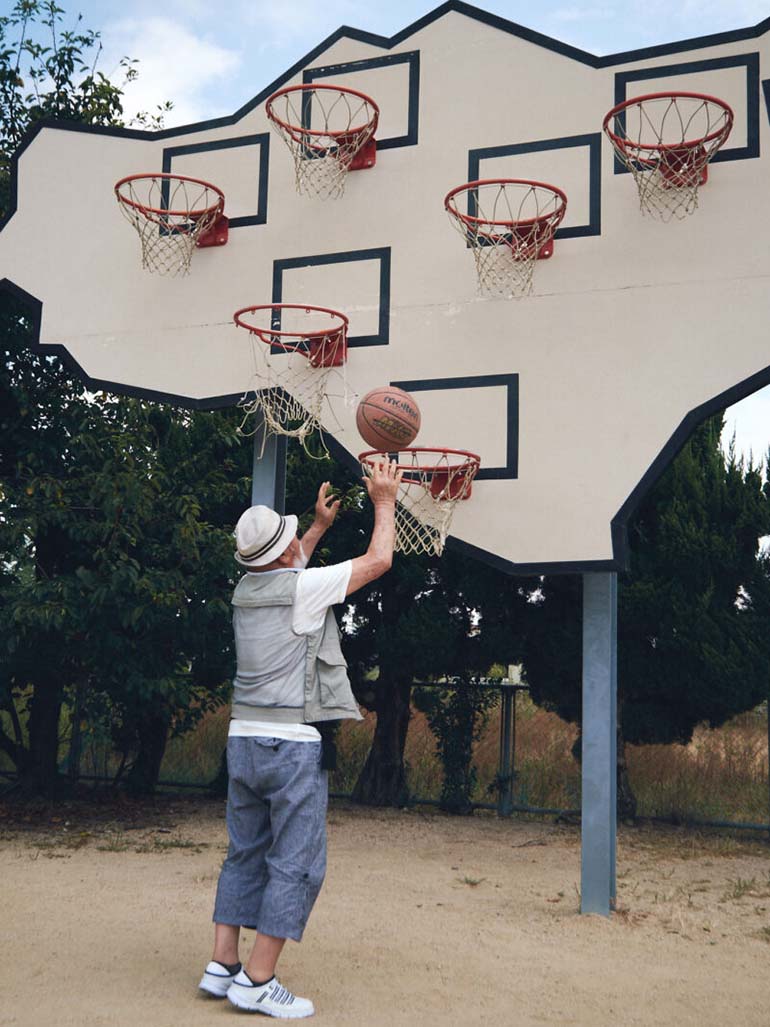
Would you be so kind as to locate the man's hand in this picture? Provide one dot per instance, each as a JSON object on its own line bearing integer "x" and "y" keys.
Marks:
{"x": 382, "y": 481}
{"x": 326, "y": 507}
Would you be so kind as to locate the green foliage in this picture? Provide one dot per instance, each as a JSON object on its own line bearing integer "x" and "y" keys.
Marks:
{"x": 693, "y": 644}
{"x": 115, "y": 515}
{"x": 457, "y": 714}
{"x": 48, "y": 69}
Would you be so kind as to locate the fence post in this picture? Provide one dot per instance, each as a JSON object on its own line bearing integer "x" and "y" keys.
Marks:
{"x": 506, "y": 767}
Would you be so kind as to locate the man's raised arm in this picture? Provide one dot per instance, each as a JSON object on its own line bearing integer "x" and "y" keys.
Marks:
{"x": 382, "y": 485}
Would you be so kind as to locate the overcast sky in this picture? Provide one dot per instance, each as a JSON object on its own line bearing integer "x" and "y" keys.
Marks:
{"x": 211, "y": 58}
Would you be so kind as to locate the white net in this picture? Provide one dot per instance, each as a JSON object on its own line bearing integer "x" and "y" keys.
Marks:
{"x": 666, "y": 142}
{"x": 325, "y": 129}
{"x": 509, "y": 226}
{"x": 294, "y": 370}
{"x": 433, "y": 483}
{"x": 170, "y": 214}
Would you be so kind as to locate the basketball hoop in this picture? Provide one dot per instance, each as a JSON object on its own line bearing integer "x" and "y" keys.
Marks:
{"x": 666, "y": 141}
{"x": 172, "y": 215}
{"x": 329, "y": 130}
{"x": 295, "y": 348}
{"x": 509, "y": 225}
{"x": 433, "y": 483}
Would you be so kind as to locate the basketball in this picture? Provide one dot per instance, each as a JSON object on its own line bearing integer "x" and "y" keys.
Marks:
{"x": 388, "y": 418}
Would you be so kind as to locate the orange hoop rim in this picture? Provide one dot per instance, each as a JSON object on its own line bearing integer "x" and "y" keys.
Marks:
{"x": 473, "y": 222}
{"x": 623, "y": 143}
{"x": 371, "y": 124}
{"x": 470, "y": 459}
{"x": 145, "y": 209}
{"x": 274, "y": 336}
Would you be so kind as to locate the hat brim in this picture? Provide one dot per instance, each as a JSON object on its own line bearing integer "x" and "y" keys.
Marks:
{"x": 288, "y": 533}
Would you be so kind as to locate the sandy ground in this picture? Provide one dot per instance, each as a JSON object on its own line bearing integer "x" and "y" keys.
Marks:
{"x": 424, "y": 919}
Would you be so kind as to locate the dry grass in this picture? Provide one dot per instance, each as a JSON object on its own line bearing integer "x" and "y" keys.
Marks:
{"x": 721, "y": 775}
{"x": 195, "y": 758}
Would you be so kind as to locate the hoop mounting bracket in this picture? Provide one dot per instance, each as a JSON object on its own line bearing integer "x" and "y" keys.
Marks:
{"x": 217, "y": 235}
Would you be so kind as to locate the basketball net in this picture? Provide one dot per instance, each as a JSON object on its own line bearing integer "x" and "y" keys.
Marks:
{"x": 433, "y": 483}
{"x": 343, "y": 122}
{"x": 510, "y": 224}
{"x": 170, "y": 215}
{"x": 293, "y": 372}
{"x": 666, "y": 141}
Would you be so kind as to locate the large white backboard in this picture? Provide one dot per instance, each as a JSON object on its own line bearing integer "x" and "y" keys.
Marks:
{"x": 575, "y": 397}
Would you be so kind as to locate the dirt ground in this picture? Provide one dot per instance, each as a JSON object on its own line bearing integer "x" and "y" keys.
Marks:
{"x": 424, "y": 920}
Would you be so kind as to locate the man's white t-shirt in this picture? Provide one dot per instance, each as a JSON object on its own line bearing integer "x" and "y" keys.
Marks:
{"x": 318, "y": 588}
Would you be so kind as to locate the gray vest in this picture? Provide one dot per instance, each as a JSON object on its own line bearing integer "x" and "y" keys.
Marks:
{"x": 283, "y": 677}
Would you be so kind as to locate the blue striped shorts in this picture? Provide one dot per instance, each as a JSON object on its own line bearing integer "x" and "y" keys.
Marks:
{"x": 276, "y": 819}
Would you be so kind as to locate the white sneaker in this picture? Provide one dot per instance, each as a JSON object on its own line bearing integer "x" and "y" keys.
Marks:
{"x": 216, "y": 980}
{"x": 271, "y": 998}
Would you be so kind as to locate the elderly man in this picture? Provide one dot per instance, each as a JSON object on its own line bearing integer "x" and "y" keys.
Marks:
{"x": 290, "y": 674}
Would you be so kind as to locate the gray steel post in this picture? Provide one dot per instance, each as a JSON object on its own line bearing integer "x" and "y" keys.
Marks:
{"x": 599, "y": 741}
{"x": 507, "y": 744}
{"x": 268, "y": 481}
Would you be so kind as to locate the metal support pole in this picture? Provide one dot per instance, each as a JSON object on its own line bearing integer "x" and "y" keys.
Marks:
{"x": 268, "y": 476}
{"x": 599, "y": 741}
{"x": 505, "y": 769}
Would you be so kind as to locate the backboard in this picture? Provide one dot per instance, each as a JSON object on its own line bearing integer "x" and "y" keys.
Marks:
{"x": 575, "y": 397}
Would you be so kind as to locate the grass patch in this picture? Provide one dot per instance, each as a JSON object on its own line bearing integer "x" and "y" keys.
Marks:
{"x": 169, "y": 844}
{"x": 720, "y": 775}
{"x": 116, "y": 842}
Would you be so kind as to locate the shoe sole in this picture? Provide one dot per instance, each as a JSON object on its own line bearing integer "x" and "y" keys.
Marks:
{"x": 282, "y": 1015}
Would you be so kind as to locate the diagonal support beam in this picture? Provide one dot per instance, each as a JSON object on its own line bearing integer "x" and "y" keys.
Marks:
{"x": 268, "y": 476}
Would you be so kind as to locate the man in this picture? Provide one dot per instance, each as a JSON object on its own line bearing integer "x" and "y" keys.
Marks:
{"x": 290, "y": 673}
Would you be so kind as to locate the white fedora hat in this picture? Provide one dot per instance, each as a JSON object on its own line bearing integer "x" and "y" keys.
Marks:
{"x": 261, "y": 535}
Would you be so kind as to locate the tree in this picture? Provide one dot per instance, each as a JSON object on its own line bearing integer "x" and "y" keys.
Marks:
{"x": 693, "y": 644}
{"x": 115, "y": 515}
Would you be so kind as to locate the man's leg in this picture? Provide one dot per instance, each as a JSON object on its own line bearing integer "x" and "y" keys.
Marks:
{"x": 297, "y": 795}
{"x": 244, "y": 871}
{"x": 264, "y": 956}
{"x": 295, "y": 790}
{"x": 226, "y": 943}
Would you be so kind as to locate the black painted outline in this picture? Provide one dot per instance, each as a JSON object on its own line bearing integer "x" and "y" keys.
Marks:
{"x": 483, "y": 381}
{"x": 381, "y": 254}
{"x": 766, "y": 91}
{"x": 591, "y": 140}
{"x": 751, "y": 63}
{"x": 260, "y": 139}
{"x": 351, "y": 67}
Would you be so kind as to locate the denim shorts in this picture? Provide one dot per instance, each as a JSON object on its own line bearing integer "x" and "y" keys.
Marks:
{"x": 276, "y": 820}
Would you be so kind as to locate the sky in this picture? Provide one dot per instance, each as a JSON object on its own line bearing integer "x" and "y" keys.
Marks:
{"x": 211, "y": 58}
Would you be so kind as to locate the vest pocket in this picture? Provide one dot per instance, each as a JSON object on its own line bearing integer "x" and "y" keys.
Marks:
{"x": 333, "y": 679}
